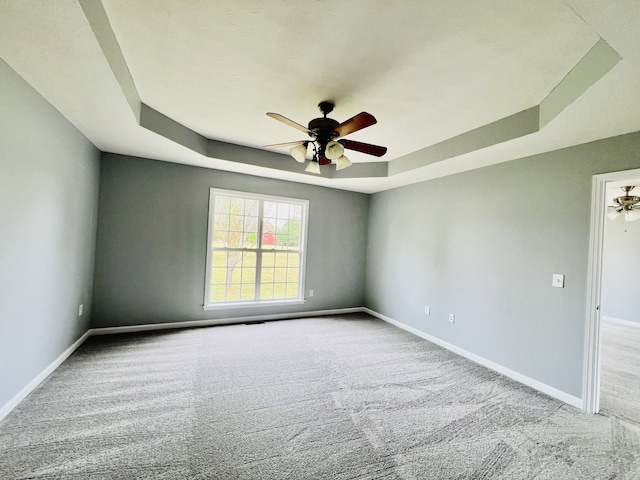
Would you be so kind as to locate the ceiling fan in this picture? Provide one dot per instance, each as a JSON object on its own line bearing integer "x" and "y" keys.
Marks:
{"x": 629, "y": 204}
{"x": 326, "y": 139}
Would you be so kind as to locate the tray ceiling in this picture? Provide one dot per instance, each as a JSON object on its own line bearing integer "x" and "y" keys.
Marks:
{"x": 454, "y": 85}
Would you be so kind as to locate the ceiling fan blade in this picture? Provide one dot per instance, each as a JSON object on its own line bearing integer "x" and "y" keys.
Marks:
{"x": 358, "y": 122}
{"x": 291, "y": 123}
{"x": 286, "y": 144}
{"x": 367, "y": 148}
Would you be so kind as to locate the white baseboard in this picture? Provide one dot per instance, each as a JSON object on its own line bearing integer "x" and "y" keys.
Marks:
{"x": 620, "y": 321}
{"x": 31, "y": 386}
{"x": 220, "y": 321}
{"x": 518, "y": 377}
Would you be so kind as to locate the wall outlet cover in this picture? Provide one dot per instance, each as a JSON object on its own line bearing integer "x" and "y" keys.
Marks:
{"x": 558, "y": 280}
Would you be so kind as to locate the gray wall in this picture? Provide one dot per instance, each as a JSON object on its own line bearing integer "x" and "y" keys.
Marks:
{"x": 152, "y": 233}
{"x": 48, "y": 204}
{"x": 484, "y": 244}
{"x": 621, "y": 269}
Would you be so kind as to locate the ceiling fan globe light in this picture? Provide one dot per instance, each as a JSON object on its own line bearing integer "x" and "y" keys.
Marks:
{"x": 632, "y": 215}
{"x": 313, "y": 167}
{"x": 342, "y": 162}
{"x": 299, "y": 153}
{"x": 613, "y": 214}
{"x": 334, "y": 150}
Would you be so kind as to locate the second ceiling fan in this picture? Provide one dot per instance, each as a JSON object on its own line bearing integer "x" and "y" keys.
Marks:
{"x": 326, "y": 139}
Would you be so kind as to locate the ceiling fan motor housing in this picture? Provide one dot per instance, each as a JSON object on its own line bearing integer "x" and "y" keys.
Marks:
{"x": 626, "y": 201}
{"x": 324, "y": 131}
{"x": 324, "y": 126}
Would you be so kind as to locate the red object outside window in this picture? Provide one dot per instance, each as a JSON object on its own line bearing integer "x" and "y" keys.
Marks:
{"x": 268, "y": 238}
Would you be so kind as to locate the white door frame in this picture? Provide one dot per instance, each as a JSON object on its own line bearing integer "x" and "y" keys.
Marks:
{"x": 591, "y": 384}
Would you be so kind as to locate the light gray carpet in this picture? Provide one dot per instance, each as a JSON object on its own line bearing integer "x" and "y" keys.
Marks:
{"x": 620, "y": 370}
{"x": 346, "y": 397}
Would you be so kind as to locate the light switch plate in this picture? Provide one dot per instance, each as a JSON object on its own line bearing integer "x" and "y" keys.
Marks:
{"x": 558, "y": 280}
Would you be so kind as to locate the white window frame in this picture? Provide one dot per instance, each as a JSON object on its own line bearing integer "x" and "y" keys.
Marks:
{"x": 208, "y": 304}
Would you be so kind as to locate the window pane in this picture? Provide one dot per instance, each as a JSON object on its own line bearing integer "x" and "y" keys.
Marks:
{"x": 249, "y": 259}
{"x": 281, "y": 241}
{"x": 283, "y": 210}
{"x": 251, "y": 207}
{"x": 218, "y": 293}
{"x": 280, "y": 274}
{"x": 249, "y": 275}
{"x": 222, "y": 204}
{"x": 279, "y": 290}
{"x": 292, "y": 275}
{"x": 251, "y": 224}
{"x": 218, "y": 276}
{"x": 236, "y": 223}
{"x": 267, "y": 275}
{"x": 248, "y": 292}
{"x": 292, "y": 290}
{"x": 269, "y": 209}
{"x": 268, "y": 239}
{"x": 233, "y": 274}
{"x": 249, "y": 240}
{"x": 221, "y": 240}
{"x": 266, "y": 291}
{"x": 235, "y": 231}
{"x": 219, "y": 259}
{"x": 293, "y": 260}
{"x": 237, "y": 206}
{"x": 268, "y": 259}
{"x": 235, "y": 258}
{"x": 233, "y": 291}
{"x": 221, "y": 221}
{"x": 294, "y": 228}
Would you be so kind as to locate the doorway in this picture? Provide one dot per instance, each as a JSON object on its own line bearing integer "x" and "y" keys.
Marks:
{"x": 599, "y": 327}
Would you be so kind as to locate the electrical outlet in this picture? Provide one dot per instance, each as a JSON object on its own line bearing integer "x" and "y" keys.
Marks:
{"x": 427, "y": 310}
{"x": 80, "y": 309}
{"x": 452, "y": 317}
{"x": 311, "y": 293}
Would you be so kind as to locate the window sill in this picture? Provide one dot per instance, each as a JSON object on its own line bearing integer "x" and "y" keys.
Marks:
{"x": 275, "y": 303}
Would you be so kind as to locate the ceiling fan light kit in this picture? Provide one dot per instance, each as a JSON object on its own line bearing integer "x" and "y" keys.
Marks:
{"x": 342, "y": 162}
{"x": 631, "y": 215}
{"x": 334, "y": 150}
{"x": 325, "y": 134}
{"x": 299, "y": 152}
{"x": 313, "y": 167}
{"x": 629, "y": 204}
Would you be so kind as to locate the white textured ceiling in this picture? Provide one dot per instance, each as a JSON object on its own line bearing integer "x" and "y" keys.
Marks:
{"x": 428, "y": 71}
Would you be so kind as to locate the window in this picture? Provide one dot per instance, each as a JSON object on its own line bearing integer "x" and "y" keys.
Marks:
{"x": 256, "y": 249}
